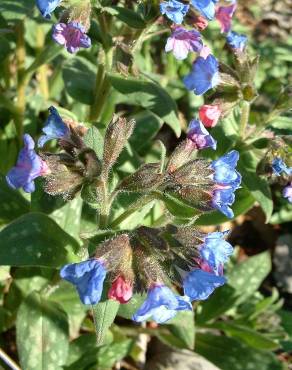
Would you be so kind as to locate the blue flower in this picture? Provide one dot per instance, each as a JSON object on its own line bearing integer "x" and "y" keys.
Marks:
{"x": 216, "y": 251}
{"x": 54, "y": 128}
{"x": 46, "y": 7}
{"x": 225, "y": 173}
{"x": 199, "y": 136}
{"x": 161, "y": 304}
{"x": 236, "y": 41}
{"x": 227, "y": 180}
{"x": 279, "y": 167}
{"x": 205, "y": 7}
{"x": 174, "y": 10}
{"x": 287, "y": 192}
{"x": 199, "y": 284}
{"x": 204, "y": 75}
{"x": 29, "y": 166}
{"x": 88, "y": 277}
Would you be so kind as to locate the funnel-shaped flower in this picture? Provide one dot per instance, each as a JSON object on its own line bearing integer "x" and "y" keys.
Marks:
{"x": 88, "y": 277}
{"x": 199, "y": 284}
{"x": 182, "y": 41}
{"x": 54, "y": 128}
{"x": 46, "y": 7}
{"x": 121, "y": 290}
{"x": 236, "y": 41}
{"x": 224, "y": 16}
{"x": 204, "y": 75}
{"x": 205, "y": 7}
{"x": 161, "y": 304}
{"x": 29, "y": 166}
{"x": 209, "y": 115}
{"x": 227, "y": 180}
{"x": 216, "y": 251}
{"x": 199, "y": 136}
{"x": 72, "y": 36}
{"x": 174, "y": 10}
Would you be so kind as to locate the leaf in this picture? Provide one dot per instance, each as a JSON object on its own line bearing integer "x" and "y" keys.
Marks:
{"x": 148, "y": 95}
{"x": 79, "y": 78}
{"x": 183, "y": 328}
{"x": 67, "y": 297}
{"x": 131, "y": 18}
{"x": 178, "y": 208}
{"x": 247, "y": 335}
{"x": 94, "y": 140}
{"x": 36, "y": 240}
{"x": 46, "y": 55}
{"x": 283, "y": 215}
{"x": 127, "y": 310}
{"x": 258, "y": 186}
{"x": 104, "y": 314}
{"x": 15, "y": 10}
{"x": 12, "y": 203}
{"x": 231, "y": 354}
{"x": 42, "y": 334}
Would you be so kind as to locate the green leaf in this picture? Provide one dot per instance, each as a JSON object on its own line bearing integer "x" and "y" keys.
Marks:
{"x": 247, "y": 335}
{"x": 127, "y": 16}
{"x": 127, "y": 310}
{"x": 42, "y": 334}
{"x": 179, "y": 208}
{"x": 283, "y": 215}
{"x": 183, "y": 328}
{"x": 258, "y": 186}
{"x": 148, "y": 95}
{"x": 47, "y": 54}
{"x": 12, "y": 203}
{"x": 79, "y": 78}
{"x": 16, "y": 10}
{"x": 104, "y": 314}
{"x": 94, "y": 140}
{"x": 67, "y": 297}
{"x": 231, "y": 354}
{"x": 36, "y": 240}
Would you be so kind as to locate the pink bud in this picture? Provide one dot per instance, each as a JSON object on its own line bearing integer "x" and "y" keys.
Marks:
{"x": 121, "y": 290}
{"x": 209, "y": 115}
{"x": 200, "y": 22}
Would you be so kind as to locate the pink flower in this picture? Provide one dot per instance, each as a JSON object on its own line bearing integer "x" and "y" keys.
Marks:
{"x": 205, "y": 51}
{"x": 209, "y": 115}
{"x": 121, "y": 290}
{"x": 224, "y": 16}
{"x": 182, "y": 41}
{"x": 200, "y": 22}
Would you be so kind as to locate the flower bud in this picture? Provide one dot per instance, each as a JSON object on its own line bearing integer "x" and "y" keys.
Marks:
{"x": 121, "y": 290}
{"x": 209, "y": 115}
{"x": 145, "y": 179}
{"x": 182, "y": 154}
{"x": 116, "y": 137}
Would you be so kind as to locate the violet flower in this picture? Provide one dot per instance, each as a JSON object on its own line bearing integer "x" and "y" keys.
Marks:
{"x": 71, "y": 35}
{"x": 182, "y": 41}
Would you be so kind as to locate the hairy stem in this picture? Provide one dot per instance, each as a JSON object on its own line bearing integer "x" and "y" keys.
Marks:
{"x": 244, "y": 118}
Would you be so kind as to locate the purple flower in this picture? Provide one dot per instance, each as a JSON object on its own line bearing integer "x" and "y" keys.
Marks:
{"x": 29, "y": 166}
{"x": 205, "y": 7}
{"x": 279, "y": 167}
{"x": 88, "y": 277}
{"x": 236, "y": 41}
{"x": 224, "y": 16}
{"x": 46, "y": 7}
{"x": 199, "y": 284}
{"x": 199, "y": 136}
{"x": 161, "y": 304}
{"x": 72, "y": 36}
{"x": 204, "y": 75}
{"x": 227, "y": 180}
{"x": 216, "y": 251}
{"x": 174, "y": 10}
{"x": 182, "y": 41}
{"x": 54, "y": 128}
{"x": 287, "y": 192}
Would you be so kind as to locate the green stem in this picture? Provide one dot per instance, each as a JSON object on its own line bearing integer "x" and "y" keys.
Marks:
{"x": 140, "y": 203}
{"x": 21, "y": 80}
{"x": 102, "y": 89}
{"x": 43, "y": 69}
{"x": 244, "y": 118}
{"x": 104, "y": 206}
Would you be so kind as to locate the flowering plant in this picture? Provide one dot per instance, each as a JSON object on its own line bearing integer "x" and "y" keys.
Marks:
{"x": 100, "y": 209}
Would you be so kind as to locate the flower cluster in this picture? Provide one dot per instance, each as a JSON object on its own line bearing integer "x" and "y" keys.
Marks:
{"x": 72, "y": 29}
{"x": 203, "y": 254}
